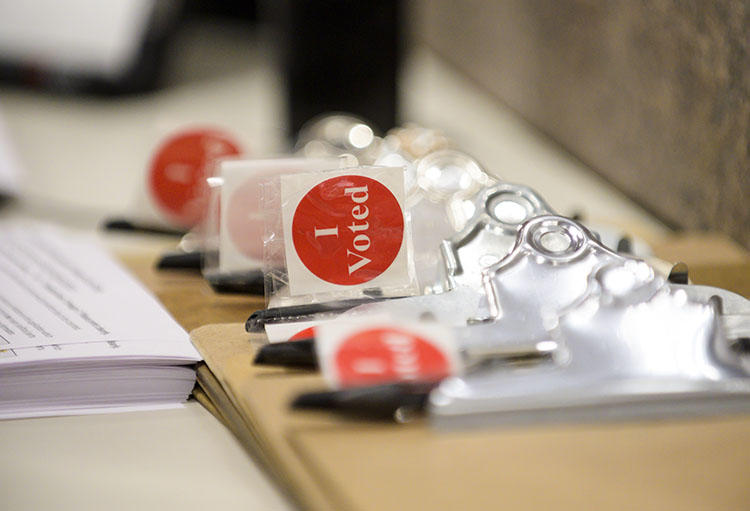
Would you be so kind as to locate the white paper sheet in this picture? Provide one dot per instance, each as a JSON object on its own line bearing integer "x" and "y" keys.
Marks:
{"x": 56, "y": 289}
{"x": 56, "y": 411}
{"x": 104, "y": 353}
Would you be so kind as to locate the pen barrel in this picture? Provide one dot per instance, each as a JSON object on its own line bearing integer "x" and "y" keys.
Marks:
{"x": 258, "y": 319}
{"x": 393, "y": 401}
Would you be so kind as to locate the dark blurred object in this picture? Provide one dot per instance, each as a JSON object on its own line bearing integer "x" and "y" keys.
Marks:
{"x": 653, "y": 95}
{"x": 401, "y": 402}
{"x": 299, "y": 353}
{"x": 341, "y": 56}
{"x": 86, "y": 45}
{"x": 307, "y": 312}
{"x": 679, "y": 274}
{"x": 249, "y": 282}
{"x": 181, "y": 260}
{"x": 122, "y": 224}
{"x": 240, "y": 10}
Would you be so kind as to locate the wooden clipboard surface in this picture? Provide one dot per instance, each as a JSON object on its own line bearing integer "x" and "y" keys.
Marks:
{"x": 332, "y": 463}
{"x": 328, "y": 463}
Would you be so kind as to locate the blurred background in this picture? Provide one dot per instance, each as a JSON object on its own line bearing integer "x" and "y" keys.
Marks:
{"x": 635, "y": 113}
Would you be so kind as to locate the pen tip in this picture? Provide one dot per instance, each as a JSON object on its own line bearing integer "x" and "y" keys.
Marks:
{"x": 117, "y": 224}
{"x": 255, "y": 322}
{"x": 679, "y": 274}
{"x": 260, "y": 357}
{"x": 315, "y": 400}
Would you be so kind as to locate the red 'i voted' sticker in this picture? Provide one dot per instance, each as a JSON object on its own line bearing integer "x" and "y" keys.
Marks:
{"x": 178, "y": 172}
{"x": 381, "y": 355}
{"x": 348, "y": 229}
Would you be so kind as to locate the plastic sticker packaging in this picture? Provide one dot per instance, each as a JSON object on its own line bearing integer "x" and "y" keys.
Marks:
{"x": 234, "y": 228}
{"x": 337, "y": 235}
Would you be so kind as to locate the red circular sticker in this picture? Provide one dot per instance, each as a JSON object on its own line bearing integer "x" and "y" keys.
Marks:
{"x": 245, "y": 219}
{"x": 177, "y": 176}
{"x": 306, "y": 333}
{"x": 382, "y": 355}
{"x": 348, "y": 230}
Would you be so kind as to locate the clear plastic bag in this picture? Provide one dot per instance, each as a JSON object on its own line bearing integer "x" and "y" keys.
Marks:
{"x": 233, "y": 231}
{"x": 337, "y": 235}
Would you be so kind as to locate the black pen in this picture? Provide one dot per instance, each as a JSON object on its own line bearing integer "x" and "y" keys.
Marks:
{"x": 250, "y": 282}
{"x": 392, "y": 401}
{"x": 402, "y": 401}
{"x": 260, "y": 318}
{"x": 121, "y": 224}
{"x": 181, "y": 260}
{"x": 299, "y": 353}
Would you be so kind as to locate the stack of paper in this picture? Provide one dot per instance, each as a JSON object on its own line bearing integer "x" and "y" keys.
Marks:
{"x": 80, "y": 335}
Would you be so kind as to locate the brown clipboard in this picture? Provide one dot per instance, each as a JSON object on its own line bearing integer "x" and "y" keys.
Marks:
{"x": 326, "y": 462}
{"x": 331, "y": 463}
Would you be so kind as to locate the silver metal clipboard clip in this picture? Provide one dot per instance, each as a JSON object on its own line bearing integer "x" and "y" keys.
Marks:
{"x": 626, "y": 342}
{"x": 459, "y": 295}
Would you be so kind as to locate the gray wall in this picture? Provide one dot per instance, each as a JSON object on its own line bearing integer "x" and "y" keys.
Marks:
{"x": 654, "y": 95}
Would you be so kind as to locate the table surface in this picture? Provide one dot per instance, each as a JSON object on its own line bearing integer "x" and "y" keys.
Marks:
{"x": 83, "y": 159}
